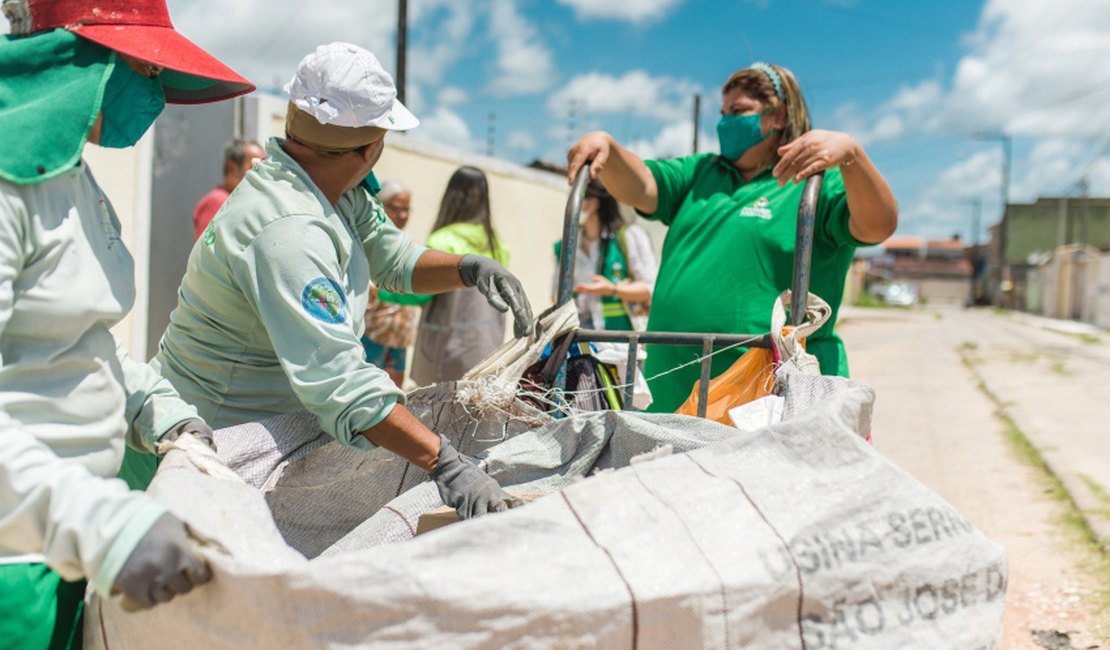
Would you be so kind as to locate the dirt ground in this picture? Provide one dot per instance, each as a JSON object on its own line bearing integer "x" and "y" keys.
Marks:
{"x": 936, "y": 421}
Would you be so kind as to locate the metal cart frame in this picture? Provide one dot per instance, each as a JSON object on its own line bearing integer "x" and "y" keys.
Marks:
{"x": 803, "y": 250}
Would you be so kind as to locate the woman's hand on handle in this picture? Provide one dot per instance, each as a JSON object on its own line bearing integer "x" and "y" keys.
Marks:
{"x": 593, "y": 148}
{"x": 625, "y": 176}
{"x": 813, "y": 152}
{"x": 873, "y": 212}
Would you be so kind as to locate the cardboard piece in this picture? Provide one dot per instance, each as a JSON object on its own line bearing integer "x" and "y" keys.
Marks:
{"x": 446, "y": 515}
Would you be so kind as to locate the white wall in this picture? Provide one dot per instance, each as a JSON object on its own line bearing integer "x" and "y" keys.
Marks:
{"x": 125, "y": 176}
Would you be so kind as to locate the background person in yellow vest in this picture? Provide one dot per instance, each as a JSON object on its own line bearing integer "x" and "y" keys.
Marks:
{"x": 460, "y": 328}
{"x": 270, "y": 310}
{"x": 732, "y": 219}
{"x": 614, "y": 269}
{"x": 78, "y": 71}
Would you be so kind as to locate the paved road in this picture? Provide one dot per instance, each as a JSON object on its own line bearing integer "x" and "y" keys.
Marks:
{"x": 934, "y": 420}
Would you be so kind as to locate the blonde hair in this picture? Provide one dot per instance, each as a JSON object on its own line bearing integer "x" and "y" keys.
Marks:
{"x": 758, "y": 85}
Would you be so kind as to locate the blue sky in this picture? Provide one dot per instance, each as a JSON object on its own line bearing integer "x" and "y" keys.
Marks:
{"x": 913, "y": 81}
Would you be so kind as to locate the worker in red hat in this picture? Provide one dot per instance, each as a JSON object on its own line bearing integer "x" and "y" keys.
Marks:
{"x": 71, "y": 72}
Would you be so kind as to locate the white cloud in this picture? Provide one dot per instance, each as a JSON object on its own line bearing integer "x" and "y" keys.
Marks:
{"x": 1032, "y": 71}
{"x": 977, "y": 175}
{"x": 636, "y": 92}
{"x": 523, "y": 63}
{"x": 264, "y": 41}
{"x": 446, "y": 127}
{"x": 633, "y": 11}
{"x": 521, "y": 140}
{"x": 452, "y": 96}
{"x": 673, "y": 140}
{"x": 446, "y": 27}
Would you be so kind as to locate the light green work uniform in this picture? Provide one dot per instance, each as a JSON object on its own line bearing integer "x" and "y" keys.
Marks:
{"x": 270, "y": 311}
{"x": 69, "y": 396}
{"x": 728, "y": 254}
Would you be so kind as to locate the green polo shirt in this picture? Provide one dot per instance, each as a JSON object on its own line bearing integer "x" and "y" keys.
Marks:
{"x": 728, "y": 254}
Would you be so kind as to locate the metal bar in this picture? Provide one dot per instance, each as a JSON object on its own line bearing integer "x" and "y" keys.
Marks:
{"x": 706, "y": 364}
{"x": 803, "y": 249}
{"x": 570, "y": 236}
{"x": 567, "y": 255}
{"x": 674, "y": 338}
{"x": 402, "y": 46}
{"x": 630, "y": 371}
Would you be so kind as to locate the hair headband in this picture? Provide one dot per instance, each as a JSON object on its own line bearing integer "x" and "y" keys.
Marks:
{"x": 766, "y": 69}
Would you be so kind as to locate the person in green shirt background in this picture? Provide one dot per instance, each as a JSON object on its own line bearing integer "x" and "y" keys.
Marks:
{"x": 460, "y": 328}
{"x": 732, "y": 219}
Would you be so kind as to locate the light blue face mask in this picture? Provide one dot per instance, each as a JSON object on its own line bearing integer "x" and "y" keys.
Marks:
{"x": 131, "y": 104}
{"x": 738, "y": 133}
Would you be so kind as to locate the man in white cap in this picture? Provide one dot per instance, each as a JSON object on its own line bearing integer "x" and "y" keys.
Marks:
{"x": 270, "y": 310}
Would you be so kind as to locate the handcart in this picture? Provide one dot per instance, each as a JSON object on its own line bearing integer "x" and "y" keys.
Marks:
{"x": 803, "y": 248}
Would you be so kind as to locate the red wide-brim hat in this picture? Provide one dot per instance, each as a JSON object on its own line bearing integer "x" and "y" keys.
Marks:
{"x": 142, "y": 29}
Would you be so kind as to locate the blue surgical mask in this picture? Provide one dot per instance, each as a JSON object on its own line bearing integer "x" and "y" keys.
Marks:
{"x": 738, "y": 133}
{"x": 131, "y": 104}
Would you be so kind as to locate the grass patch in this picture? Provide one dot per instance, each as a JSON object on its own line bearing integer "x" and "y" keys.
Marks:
{"x": 998, "y": 311}
{"x": 1024, "y": 356}
{"x": 867, "y": 299}
{"x": 1059, "y": 368}
{"x": 1095, "y": 559}
{"x": 1090, "y": 339}
{"x": 1100, "y": 493}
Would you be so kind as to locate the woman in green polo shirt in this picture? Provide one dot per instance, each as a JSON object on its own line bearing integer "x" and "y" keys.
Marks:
{"x": 729, "y": 249}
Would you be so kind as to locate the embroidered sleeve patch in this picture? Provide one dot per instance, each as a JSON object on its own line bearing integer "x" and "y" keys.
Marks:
{"x": 323, "y": 299}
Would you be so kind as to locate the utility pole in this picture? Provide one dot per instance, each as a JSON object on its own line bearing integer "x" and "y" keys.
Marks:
{"x": 572, "y": 121}
{"x": 697, "y": 116}
{"x": 1004, "y": 289}
{"x": 402, "y": 46}
{"x": 976, "y": 206}
{"x": 1080, "y": 253}
{"x": 491, "y": 129}
{"x": 973, "y": 295}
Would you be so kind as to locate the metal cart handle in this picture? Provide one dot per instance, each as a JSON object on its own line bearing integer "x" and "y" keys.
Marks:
{"x": 803, "y": 251}
{"x": 803, "y": 242}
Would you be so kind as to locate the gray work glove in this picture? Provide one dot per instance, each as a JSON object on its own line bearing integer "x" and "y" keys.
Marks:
{"x": 163, "y": 565}
{"x": 465, "y": 487}
{"x": 195, "y": 426}
{"x": 501, "y": 288}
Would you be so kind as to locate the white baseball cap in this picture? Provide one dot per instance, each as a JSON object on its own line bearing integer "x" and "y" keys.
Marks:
{"x": 345, "y": 85}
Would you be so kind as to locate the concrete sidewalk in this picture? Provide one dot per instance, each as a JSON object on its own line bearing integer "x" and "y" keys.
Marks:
{"x": 932, "y": 419}
{"x": 1051, "y": 378}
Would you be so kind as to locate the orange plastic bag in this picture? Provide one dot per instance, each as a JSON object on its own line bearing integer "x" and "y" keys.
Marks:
{"x": 751, "y": 377}
{"x": 753, "y": 374}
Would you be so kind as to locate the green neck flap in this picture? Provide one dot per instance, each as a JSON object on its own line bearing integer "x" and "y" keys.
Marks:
{"x": 51, "y": 87}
